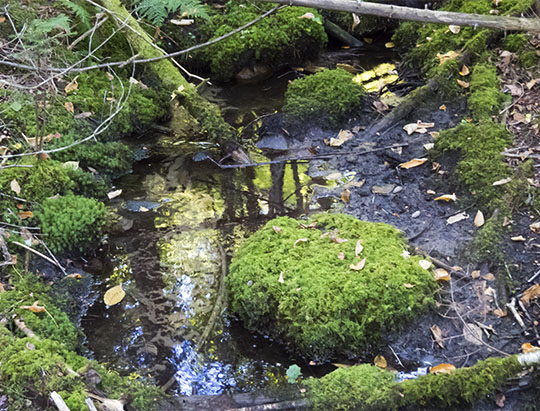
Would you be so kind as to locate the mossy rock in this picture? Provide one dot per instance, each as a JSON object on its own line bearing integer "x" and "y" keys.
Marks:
{"x": 326, "y": 98}
{"x": 290, "y": 282}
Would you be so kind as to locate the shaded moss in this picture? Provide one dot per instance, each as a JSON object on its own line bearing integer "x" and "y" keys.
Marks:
{"x": 326, "y": 97}
{"x": 528, "y": 59}
{"x": 515, "y": 42}
{"x": 367, "y": 24}
{"x": 322, "y": 305}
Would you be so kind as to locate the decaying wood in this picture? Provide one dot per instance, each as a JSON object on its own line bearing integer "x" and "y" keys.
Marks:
{"x": 58, "y": 401}
{"x": 423, "y": 15}
{"x": 90, "y": 404}
{"x": 283, "y": 405}
{"x": 22, "y": 326}
{"x": 339, "y": 34}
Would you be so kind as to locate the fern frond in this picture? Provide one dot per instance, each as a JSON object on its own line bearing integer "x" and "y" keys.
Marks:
{"x": 156, "y": 11}
{"x": 80, "y": 12}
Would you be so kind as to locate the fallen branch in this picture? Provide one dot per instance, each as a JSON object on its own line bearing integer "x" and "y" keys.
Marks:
{"x": 50, "y": 260}
{"x": 58, "y": 401}
{"x": 423, "y": 15}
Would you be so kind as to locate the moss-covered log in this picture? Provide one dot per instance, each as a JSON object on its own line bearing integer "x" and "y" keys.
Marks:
{"x": 205, "y": 113}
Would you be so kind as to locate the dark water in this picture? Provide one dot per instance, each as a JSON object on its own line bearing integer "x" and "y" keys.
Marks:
{"x": 177, "y": 224}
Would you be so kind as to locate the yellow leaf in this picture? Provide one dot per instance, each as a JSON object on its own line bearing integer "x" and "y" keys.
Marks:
{"x": 442, "y": 107}
{"x": 446, "y": 56}
{"x": 380, "y": 361}
{"x": 300, "y": 240}
{"x": 2, "y": 19}
{"x": 528, "y": 347}
{"x": 489, "y": 277}
{"x": 463, "y": 84}
{"x": 359, "y": 265}
{"x": 442, "y": 369}
{"x": 114, "y": 295}
{"x": 345, "y": 195}
{"x": 475, "y": 274}
{"x": 518, "y": 238}
{"x": 389, "y": 45}
{"x": 447, "y": 197}
{"x": 35, "y": 308}
{"x": 464, "y": 70}
{"x": 440, "y": 274}
{"x": 69, "y": 106}
{"x": 499, "y": 313}
{"x": 530, "y": 294}
{"x": 74, "y": 275}
{"x": 415, "y": 162}
{"x": 72, "y": 85}
{"x": 425, "y": 264}
{"x": 479, "y": 219}
{"x": 23, "y": 215}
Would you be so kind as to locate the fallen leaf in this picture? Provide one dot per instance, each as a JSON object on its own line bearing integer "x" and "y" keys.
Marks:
{"x": 359, "y": 265}
{"x": 72, "y": 85}
{"x": 463, "y": 84}
{"x": 358, "y": 249}
{"x": 277, "y": 229}
{"x": 531, "y": 83}
{"x": 338, "y": 365}
{"x": 442, "y": 369}
{"x": 440, "y": 274}
{"x": 341, "y": 255}
{"x": 114, "y": 295}
{"x": 309, "y": 16}
{"x": 356, "y": 21}
{"x": 489, "y": 277}
{"x": 473, "y": 333}
{"x": 446, "y": 197}
{"x": 342, "y": 137}
{"x": 500, "y": 399}
{"x": 501, "y": 182}
{"x": 345, "y": 195}
{"x": 429, "y": 146}
{"x": 73, "y": 165}
{"x": 430, "y": 192}
{"x": 425, "y": 264}
{"x": 446, "y": 56}
{"x": 35, "y": 308}
{"x": 23, "y": 215}
{"x": 442, "y": 107}
{"x": 69, "y": 106}
{"x": 437, "y": 334}
{"x": 475, "y": 274}
{"x": 407, "y": 285}
{"x": 114, "y": 194}
{"x": 454, "y": 29}
{"x": 389, "y": 45}
{"x": 182, "y": 22}
{"x": 479, "y": 219}
{"x": 300, "y": 240}
{"x": 528, "y": 347}
{"x": 15, "y": 186}
{"x": 415, "y": 162}
{"x": 518, "y": 238}
{"x": 464, "y": 70}
{"x": 499, "y": 313}
{"x": 456, "y": 218}
{"x": 380, "y": 361}
{"x": 84, "y": 114}
{"x": 74, "y": 275}
{"x": 530, "y": 294}
{"x": 280, "y": 279}
{"x": 535, "y": 227}
{"x": 410, "y": 128}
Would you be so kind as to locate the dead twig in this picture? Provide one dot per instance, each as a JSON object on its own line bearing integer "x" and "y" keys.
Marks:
{"x": 50, "y": 260}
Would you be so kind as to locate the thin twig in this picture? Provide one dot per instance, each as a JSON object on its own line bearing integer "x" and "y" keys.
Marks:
{"x": 37, "y": 253}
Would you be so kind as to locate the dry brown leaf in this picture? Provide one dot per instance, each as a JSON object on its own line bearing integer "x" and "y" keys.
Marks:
{"x": 464, "y": 70}
{"x": 442, "y": 107}
{"x": 415, "y": 162}
{"x": 456, "y": 218}
{"x": 35, "y": 308}
{"x": 500, "y": 398}
{"x": 463, "y": 84}
{"x": 425, "y": 264}
{"x": 300, "y": 240}
{"x": 446, "y": 56}
{"x": 530, "y": 294}
{"x": 342, "y": 137}
{"x": 74, "y": 275}
{"x": 446, "y": 197}
{"x": 489, "y": 277}
{"x": 532, "y": 83}
{"x": 437, "y": 334}
{"x": 479, "y": 219}
{"x": 502, "y": 181}
{"x": 15, "y": 186}
{"x": 528, "y": 347}
{"x": 535, "y": 227}
{"x": 69, "y": 106}
{"x": 473, "y": 333}
{"x": 359, "y": 265}
{"x": 499, "y": 313}
{"x": 341, "y": 255}
{"x": 410, "y": 128}
{"x": 277, "y": 229}
{"x": 475, "y": 274}
{"x": 72, "y": 85}
{"x": 518, "y": 238}
{"x": 440, "y": 274}
{"x": 23, "y": 215}
{"x": 345, "y": 195}
{"x": 442, "y": 369}
{"x": 407, "y": 285}
{"x": 389, "y": 45}
{"x": 114, "y": 295}
{"x": 380, "y": 361}
{"x": 358, "y": 249}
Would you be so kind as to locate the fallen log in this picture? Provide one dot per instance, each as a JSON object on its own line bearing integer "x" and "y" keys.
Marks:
{"x": 424, "y": 15}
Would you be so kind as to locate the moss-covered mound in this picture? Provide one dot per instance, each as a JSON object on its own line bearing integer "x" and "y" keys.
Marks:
{"x": 288, "y": 36}
{"x": 328, "y": 97}
{"x": 307, "y": 287}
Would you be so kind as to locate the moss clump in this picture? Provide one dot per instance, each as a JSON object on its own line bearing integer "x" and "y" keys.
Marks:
{"x": 307, "y": 295}
{"x": 328, "y": 97}
{"x": 280, "y": 38}
{"x": 486, "y": 98}
{"x": 528, "y": 59}
{"x": 515, "y": 42}
{"x": 481, "y": 164}
{"x": 367, "y": 24}
{"x": 71, "y": 222}
{"x": 362, "y": 387}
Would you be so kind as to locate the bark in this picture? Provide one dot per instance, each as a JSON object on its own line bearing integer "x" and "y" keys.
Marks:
{"x": 424, "y": 15}
{"x": 339, "y": 34}
{"x": 208, "y": 115}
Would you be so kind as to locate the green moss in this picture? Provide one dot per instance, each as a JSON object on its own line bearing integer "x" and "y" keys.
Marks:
{"x": 528, "y": 59}
{"x": 71, "y": 222}
{"x": 486, "y": 98}
{"x": 326, "y": 97}
{"x": 487, "y": 244}
{"x": 481, "y": 163}
{"x": 515, "y": 42}
{"x": 278, "y": 39}
{"x": 361, "y": 387}
{"x": 323, "y": 306}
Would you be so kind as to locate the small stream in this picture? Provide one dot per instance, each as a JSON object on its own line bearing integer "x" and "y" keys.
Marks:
{"x": 178, "y": 221}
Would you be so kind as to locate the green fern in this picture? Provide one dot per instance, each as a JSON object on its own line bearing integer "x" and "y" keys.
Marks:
{"x": 40, "y": 29}
{"x": 79, "y": 11}
{"x": 157, "y": 11}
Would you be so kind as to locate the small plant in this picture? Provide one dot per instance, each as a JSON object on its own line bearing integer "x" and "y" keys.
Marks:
{"x": 71, "y": 222}
{"x": 328, "y": 97}
{"x": 293, "y": 373}
{"x": 156, "y": 11}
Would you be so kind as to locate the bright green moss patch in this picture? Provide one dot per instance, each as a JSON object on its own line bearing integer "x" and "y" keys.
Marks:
{"x": 326, "y": 97}
{"x": 486, "y": 98}
{"x": 281, "y": 38}
{"x": 71, "y": 222}
{"x": 306, "y": 295}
